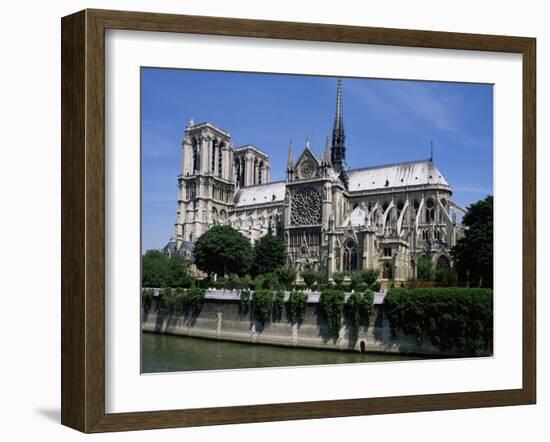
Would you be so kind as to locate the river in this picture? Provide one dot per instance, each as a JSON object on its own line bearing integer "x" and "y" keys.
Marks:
{"x": 164, "y": 353}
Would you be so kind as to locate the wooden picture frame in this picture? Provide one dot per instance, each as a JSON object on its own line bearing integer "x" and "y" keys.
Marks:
{"x": 83, "y": 220}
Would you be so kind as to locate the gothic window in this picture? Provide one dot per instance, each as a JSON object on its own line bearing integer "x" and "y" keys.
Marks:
{"x": 220, "y": 160}
{"x": 307, "y": 169}
{"x": 196, "y": 157}
{"x": 387, "y": 252}
{"x": 306, "y": 207}
{"x": 260, "y": 172}
{"x": 213, "y": 164}
{"x": 443, "y": 262}
{"x": 430, "y": 210}
{"x": 350, "y": 256}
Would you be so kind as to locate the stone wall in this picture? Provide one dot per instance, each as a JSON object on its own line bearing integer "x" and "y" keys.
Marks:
{"x": 223, "y": 317}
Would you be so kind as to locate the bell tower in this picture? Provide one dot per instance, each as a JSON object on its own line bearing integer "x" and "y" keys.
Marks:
{"x": 206, "y": 185}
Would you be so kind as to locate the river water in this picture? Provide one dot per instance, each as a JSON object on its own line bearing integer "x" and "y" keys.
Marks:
{"x": 162, "y": 353}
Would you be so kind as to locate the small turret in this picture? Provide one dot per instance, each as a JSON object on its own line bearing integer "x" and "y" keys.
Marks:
{"x": 290, "y": 163}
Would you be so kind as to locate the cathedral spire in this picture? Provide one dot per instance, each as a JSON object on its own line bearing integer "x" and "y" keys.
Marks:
{"x": 290, "y": 163}
{"x": 339, "y": 117}
{"x": 338, "y": 148}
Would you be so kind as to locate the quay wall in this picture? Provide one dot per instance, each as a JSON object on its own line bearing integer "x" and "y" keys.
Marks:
{"x": 223, "y": 317}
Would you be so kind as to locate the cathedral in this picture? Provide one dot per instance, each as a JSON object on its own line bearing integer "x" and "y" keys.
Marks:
{"x": 330, "y": 217}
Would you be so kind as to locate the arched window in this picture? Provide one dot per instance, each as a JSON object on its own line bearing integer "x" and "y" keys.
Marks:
{"x": 260, "y": 172}
{"x": 213, "y": 152}
{"x": 350, "y": 255}
{"x": 442, "y": 262}
{"x": 196, "y": 157}
{"x": 430, "y": 210}
{"x": 220, "y": 159}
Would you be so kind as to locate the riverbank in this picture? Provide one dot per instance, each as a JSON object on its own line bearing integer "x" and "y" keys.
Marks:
{"x": 224, "y": 317}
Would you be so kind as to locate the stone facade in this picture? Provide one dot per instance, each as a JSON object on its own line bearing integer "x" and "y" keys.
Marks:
{"x": 331, "y": 218}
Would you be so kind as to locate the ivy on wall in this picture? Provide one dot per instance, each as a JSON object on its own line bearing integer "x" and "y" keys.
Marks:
{"x": 263, "y": 304}
{"x": 178, "y": 300}
{"x": 297, "y": 303}
{"x": 450, "y": 317}
{"x": 360, "y": 307}
{"x": 332, "y": 303}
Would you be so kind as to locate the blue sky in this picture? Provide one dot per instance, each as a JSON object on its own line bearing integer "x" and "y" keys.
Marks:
{"x": 386, "y": 121}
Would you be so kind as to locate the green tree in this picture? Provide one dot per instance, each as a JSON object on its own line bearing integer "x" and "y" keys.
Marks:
{"x": 178, "y": 272}
{"x": 424, "y": 271}
{"x": 153, "y": 269}
{"x": 222, "y": 250}
{"x": 286, "y": 276}
{"x": 473, "y": 254}
{"x": 269, "y": 254}
{"x": 159, "y": 270}
{"x": 446, "y": 276}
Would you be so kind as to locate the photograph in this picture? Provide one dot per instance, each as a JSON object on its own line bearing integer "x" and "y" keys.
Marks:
{"x": 304, "y": 220}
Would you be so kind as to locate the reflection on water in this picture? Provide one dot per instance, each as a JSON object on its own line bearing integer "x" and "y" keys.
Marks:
{"x": 161, "y": 353}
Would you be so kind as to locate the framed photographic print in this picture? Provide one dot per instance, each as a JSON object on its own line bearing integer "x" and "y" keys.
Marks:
{"x": 269, "y": 220}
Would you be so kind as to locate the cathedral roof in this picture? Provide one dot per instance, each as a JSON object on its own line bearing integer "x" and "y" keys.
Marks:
{"x": 262, "y": 194}
{"x": 413, "y": 173}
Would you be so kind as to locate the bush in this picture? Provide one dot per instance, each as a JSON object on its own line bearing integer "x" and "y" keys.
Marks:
{"x": 360, "y": 307}
{"x": 369, "y": 276}
{"x": 297, "y": 306}
{"x": 245, "y": 283}
{"x": 424, "y": 269}
{"x": 446, "y": 276}
{"x": 355, "y": 279}
{"x": 233, "y": 282}
{"x": 451, "y": 317}
{"x": 286, "y": 276}
{"x": 332, "y": 303}
{"x": 263, "y": 304}
{"x": 310, "y": 277}
{"x": 338, "y": 277}
{"x": 375, "y": 287}
{"x": 270, "y": 281}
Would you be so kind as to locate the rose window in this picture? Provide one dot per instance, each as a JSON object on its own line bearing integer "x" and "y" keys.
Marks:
{"x": 306, "y": 207}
